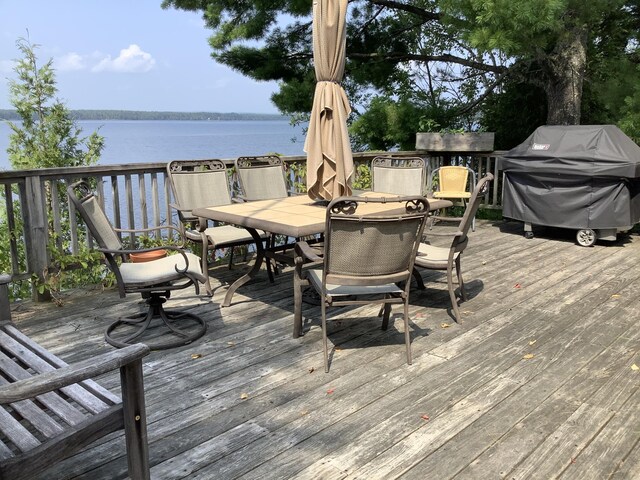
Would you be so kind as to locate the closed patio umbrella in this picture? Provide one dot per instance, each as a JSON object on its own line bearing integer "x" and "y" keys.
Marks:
{"x": 329, "y": 158}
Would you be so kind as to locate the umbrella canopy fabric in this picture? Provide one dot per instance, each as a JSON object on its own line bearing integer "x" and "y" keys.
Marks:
{"x": 329, "y": 157}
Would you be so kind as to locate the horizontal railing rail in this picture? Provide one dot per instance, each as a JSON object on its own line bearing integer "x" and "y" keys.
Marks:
{"x": 33, "y": 202}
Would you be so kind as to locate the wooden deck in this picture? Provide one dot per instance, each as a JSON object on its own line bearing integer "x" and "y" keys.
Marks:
{"x": 538, "y": 382}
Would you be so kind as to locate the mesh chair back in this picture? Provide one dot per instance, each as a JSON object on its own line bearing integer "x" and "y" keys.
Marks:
{"x": 199, "y": 183}
{"x": 402, "y": 176}
{"x": 372, "y": 250}
{"x": 87, "y": 204}
{"x": 262, "y": 178}
{"x": 453, "y": 179}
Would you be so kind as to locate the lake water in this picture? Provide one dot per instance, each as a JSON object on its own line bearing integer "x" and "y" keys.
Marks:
{"x": 140, "y": 141}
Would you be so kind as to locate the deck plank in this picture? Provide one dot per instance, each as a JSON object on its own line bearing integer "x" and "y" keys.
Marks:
{"x": 249, "y": 401}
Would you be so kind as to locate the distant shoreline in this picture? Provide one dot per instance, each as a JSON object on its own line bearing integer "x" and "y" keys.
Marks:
{"x": 144, "y": 115}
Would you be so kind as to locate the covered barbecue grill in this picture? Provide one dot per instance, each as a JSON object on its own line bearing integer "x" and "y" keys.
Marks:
{"x": 584, "y": 177}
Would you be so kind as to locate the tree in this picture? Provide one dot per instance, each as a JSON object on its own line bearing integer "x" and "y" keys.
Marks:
{"x": 48, "y": 136}
{"x": 429, "y": 52}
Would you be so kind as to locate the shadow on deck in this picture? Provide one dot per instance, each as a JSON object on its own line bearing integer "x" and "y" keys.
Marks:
{"x": 537, "y": 382}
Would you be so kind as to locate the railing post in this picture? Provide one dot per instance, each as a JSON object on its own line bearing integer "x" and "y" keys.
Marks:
{"x": 36, "y": 233}
{"x": 5, "y": 309}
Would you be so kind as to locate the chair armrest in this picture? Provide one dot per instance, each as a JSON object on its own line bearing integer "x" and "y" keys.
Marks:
{"x": 306, "y": 252}
{"x": 55, "y": 379}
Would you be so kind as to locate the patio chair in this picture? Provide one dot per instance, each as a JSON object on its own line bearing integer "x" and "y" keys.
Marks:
{"x": 154, "y": 280}
{"x": 453, "y": 183}
{"x": 446, "y": 258}
{"x": 204, "y": 183}
{"x": 263, "y": 178}
{"x": 401, "y": 175}
{"x": 365, "y": 259}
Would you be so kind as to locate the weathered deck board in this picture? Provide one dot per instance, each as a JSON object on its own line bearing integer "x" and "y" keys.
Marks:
{"x": 249, "y": 401}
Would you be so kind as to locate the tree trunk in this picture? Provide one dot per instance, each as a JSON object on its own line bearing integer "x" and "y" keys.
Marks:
{"x": 566, "y": 67}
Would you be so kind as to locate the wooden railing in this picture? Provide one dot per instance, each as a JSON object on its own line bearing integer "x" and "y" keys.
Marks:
{"x": 134, "y": 196}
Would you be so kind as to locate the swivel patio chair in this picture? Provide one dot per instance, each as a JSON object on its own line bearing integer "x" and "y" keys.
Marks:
{"x": 453, "y": 183}
{"x": 365, "y": 259}
{"x": 400, "y": 175}
{"x": 204, "y": 183}
{"x": 446, "y": 258}
{"x": 154, "y": 280}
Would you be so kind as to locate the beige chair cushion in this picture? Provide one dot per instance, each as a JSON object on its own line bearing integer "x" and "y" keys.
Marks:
{"x": 315, "y": 277}
{"x": 162, "y": 270}
{"x": 429, "y": 256}
{"x": 228, "y": 234}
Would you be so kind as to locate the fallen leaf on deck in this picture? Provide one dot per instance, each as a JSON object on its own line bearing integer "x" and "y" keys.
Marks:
{"x": 528, "y": 356}
{"x": 420, "y": 315}
{"x": 231, "y": 344}
{"x": 484, "y": 262}
{"x": 425, "y": 417}
{"x": 312, "y": 369}
{"x": 244, "y": 396}
{"x": 330, "y": 391}
{"x": 517, "y": 285}
{"x": 196, "y": 355}
{"x": 635, "y": 367}
{"x": 445, "y": 325}
{"x": 616, "y": 295}
{"x": 532, "y": 342}
{"x": 304, "y": 412}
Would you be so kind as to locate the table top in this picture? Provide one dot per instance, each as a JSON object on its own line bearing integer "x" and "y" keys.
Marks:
{"x": 295, "y": 216}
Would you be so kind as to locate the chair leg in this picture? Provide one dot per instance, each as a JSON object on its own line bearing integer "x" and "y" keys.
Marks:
{"x": 323, "y": 308}
{"x": 270, "y": 242}
{"x": 205, "y": 269}
{"x": 231, "y": 257}
{"x": 463, "y": 292}
{"x": 452, "y": 295}
{"x": 386, "y": 311}
{"x": 298, "y": 285}
{"x": 407, "y": 335}
{"x": 418, "y": 279}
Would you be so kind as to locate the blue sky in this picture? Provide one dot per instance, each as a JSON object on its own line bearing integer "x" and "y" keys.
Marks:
{"x": 126, "y": 55}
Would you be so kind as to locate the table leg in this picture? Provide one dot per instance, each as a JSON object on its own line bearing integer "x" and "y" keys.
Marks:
{"x": 251, "y": 273}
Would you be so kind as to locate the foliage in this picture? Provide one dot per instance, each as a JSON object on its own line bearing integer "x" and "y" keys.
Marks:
{"x": 47, "y": 137}
{"x": 630, "y": 121}
{"x": 362, "y": 177}
{"x": 446, "y": 55}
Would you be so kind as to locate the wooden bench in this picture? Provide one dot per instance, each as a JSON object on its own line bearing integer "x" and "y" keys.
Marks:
{"x": 49, "y": 410}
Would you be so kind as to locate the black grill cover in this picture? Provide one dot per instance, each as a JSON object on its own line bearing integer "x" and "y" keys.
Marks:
{"x": 579, "y": 176}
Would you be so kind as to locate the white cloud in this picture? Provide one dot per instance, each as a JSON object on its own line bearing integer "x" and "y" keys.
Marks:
{"x": 131, "y": 60}
{"x": 70, "y": 61}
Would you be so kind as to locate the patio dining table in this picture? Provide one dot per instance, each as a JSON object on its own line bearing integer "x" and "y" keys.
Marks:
{"x": 295, "y": 216}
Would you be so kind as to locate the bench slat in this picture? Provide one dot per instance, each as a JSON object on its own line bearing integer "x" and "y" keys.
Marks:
{"x": 16, "y": 433}
{"x": 37, "y": 363}
{"x": 95, "y": 388}
{"x": 36, "y": 416}
{"x": 51, "y": 400}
